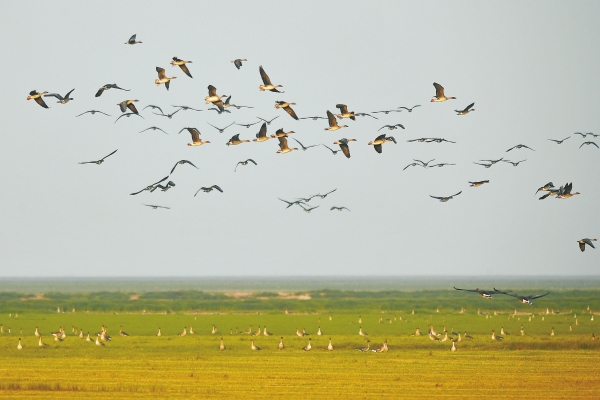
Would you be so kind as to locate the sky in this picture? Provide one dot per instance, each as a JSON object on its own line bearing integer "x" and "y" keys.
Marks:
{"x": 530, "y": 67}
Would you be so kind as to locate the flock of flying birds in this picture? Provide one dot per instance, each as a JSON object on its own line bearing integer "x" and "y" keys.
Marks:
{"x": 220, "y": 106}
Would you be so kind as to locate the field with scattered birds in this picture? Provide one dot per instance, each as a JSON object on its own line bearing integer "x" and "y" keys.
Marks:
{"x": 546, "y": 350}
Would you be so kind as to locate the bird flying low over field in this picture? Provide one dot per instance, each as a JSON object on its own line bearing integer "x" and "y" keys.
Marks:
{"x": 524, "y": 299}
{"x": 61, "y": 99}
{"x": 486, "y": 294}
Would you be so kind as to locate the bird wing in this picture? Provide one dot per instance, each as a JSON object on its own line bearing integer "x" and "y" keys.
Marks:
{"x": 161, "y": 72}
{"x": 330, "y": 149}
{"x": 41, "y": 102}
{"x": 468, "y": 290}
{"x": 219, "y": 105}
{"x": 331, "y": 119}
{"x": 400, "y": 125}
{"x": 195, "y": 134}
{"x": 345, "y": 149}
{"x": 69, "y": 94}
{"x": 439, "y": 90}
{"x": 343, "y": 108}
{"x": 263, "y": 131}
{"x": 582, "y": 245}
{"x": 212, "y": 91}
{"x": 185, "y": 69}
{"x": 589, "y": 243}
{"x": 283, "y": 142}
{"x": 217, "y": 187}
{"x": 264, "y": 76}
{"x": 100, "y": 91}
{"x": 438, "y": 198}
{"x": 378, "y": 148}
{"x": 380, "y": 137}
{"x": 537, "y": 296}
{"x": 131, "y": 107}
{"x": 235, "y": 138}
{"x": 510, "y": 149}
{"x": 110, "y": 154}
{"x": 290, "y": 111}
{"x": 456, "y": 194}
{"x": 469, "y": 107}
{"x": 253, "y": 162}
{"x": 132, "y": 38}
{"x": 58, "y": 96}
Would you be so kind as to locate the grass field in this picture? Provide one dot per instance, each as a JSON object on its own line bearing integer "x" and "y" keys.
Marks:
{"x": 535, "y": 365}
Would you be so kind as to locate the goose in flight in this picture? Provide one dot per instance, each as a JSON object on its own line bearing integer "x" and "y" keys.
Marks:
{"x": 280, "y": 133}
{"x": 588, "y": 241}
{"x": 261, "y": 136}
{"x": 208, "y": 189}
{"x": 100, "y": 161}
{"x": 486, "y": 294}
{"x": 559, "y": 141}
{"x": 344, "y": 112}
{"x": 248, "y": 125}
{"x": 152, "y": 106}
{"x": 228, "y": 103}
{"x": 221, "y": 130}
{"x": 546, "y": 187}
{"x": 445, "y": 199}
{"x": 132, "y": 40}
{"x": 552, "y": 192}
{"x": 61, "y": 99}
{"x": 588, "y": 143}
{"x": 162, "y": 188}
{"x": 92, "y": 112}
{"x": 168, "y": 115}
{"x": 305, "y": 147}
{"x": 467, "y": 110}
{"x": 514, "y": 163}
{"x": 338, "y": 208}
{"x": 585, "y": 134}
{"x": 181, "y": 64}
{"x": 308, "y": 210}
{"x": 477, "y": 184}
{"x": 267, "y": 121}
{"x": 267, "y": 85}
{"x": 380, "y": 140}
{"x": 128, "y": 115}
{"x": 565, "y": 193}
{"x": 150, "y": 187}
{"x": 162, "y": 78}
{"x": 154, "y": 128}
{"x": 244, "y": 163}
{"x": 411, "y": 109}
{"x": 283, "y": 146}
{"x": 128, "y": 104}
{"x": 439, "y": 94}
{"x": 438, "y": 140}
{"x": 313, "y": 118}
{"x": 196, "y": 141}
{"x": 519, "y": 146}
{"x": 333, "y": 125}
{"x": 109, "y": 86}
{"x": 238, "y": 62}
{"x": 33, "y": 95}
{"x": 494, "y": 161}
{"x": 344, "y": 145}
{"x": 185, "y": 108}
{"x": 334, "y": 152}
{"x": 181, "y": 163}
{"x": 297, "y": 202}
{"x": 524, "y": 299}
{"x": 419, "y": 163}
{"x": 219, "y": 111}
{"x": 286, "y": 107}
{"x": 235, "y": 140}
{"x": 484, "y": 165}
{"x": 391, "y": 127}
{"x": 326, "y": 194}
{"x": 154, "y": 206}
{"x": 214, "y": 98}
{"x": 420, "y": 140}
{"x": 439, "y": 165}
{"x": 386, "y": 112}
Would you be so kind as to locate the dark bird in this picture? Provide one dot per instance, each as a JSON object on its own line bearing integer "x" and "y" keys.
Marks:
{"x": 162, "y": 78}
{"x": 546, "y": 187}
{"x": 524, "y": 299}
{"x": 185, "y": 108}
{"x": 244, "y": 163}
{"x": 181, "y": 64}
{"x": 280, "y": 133}
{"x": 219, "y": 111}
{"x": 181, "y": 163}
{"x": 221, "y": 130}
{"x": 559, "y": 141}
{"x": 33, "y": 95}
{"x": 439, "y": 165}
{"x": 514, "y": 163}
{"x": 588, "y": 241}
{"x": 308, "y": 210}
{"x": 494, "y": 161}
{"x": 297, "y": 202}
{"x": 286, "y": 107}
{"x": 155, "y": 206}
{"x": 128, "y": 104}
{"x": 411, "y": 109}
{"x": 92, "y": 112}
{"x": 484, "y": 165}
{"x": 235, "y": 140}
{"x": 338, "y": 208}
{"x": 391, "y": 127}
{"x": 267, "y": 121}
{"x": 150, "y": 187}
{"x": 380, "y": 140}
{"x": 445, "y": 199}
{"x": 344, "y": 146}
{"x": 267, "y": 85}
{"x": 486, "y": 294}
{"x": 467, "y": 110}
{"x": 248, "y": 125}
{"x": 154, "y": 108}
{"x": 154, "y": 128}
{"x": 365, "y": 115}
{"x": 128, "y": 115}
{"x": 439, "y": 94}
{"x": 132, "y": 40}
{"x": 196, "y": 141}
{"x": 168, "y": 115}
{"x": 477, "y": 184}
{"x": 209, "y": 189}
{"x": 438, "y": 140}
{"x": 238, "y": 62}
{"x": 61, "y": 99}
{"x": 519, "y": 146}
{"x": 305, "y": 147}
{"x": 162, "y": 188}
{"x": 386, "y": 112}
{"x": 584, "y": 143}
{"x": 334, "y": 152}
{"x": 585, "y": 134}
{"x": 107, "y": 87}
{"x": 421, "y": 140}
{"x": 100, "y": 161}
{"x": 313, "y": 118}
{"x": 324, "y": 195}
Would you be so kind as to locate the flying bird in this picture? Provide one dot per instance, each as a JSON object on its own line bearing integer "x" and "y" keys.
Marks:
{"x": 132, "y": 40}
{"x": 484, "y": 165}
{"x": 107, "y": 87}
{"x": 477, "y": 184}
{"x": 92, "y": 112}
{"x": 181, "y": 163}
{"x": 33, "y": 95}
{"x": 391, "y": 127}
{"x": 559, "y": 141}
{"x": 588, "y": 143}
{"x": 486, "y": 294}
{"x": 209, "y": 189}
{"x": 283, "y": 146}
{"x": 244, "y": 163}
{"x": 467, "y": 110}
{"x": 546, "y": 187}
{"x": 248, "y": 125}
{"x": 338, "y": 208}
{"x": 214, "y": 98}
{"x": 128, "y": 104}
{"x": 150, "y": 187}
{"x": 313, "y": 118}
{"x": 235, "y": 140}
{"x": 334, "y": 152}
{"x": 445, "y": 199}
{"x": 128, "y": 115}
{"x": 267, "y": 85}
{"x": 238, "y": 62}
{"x": 280, "y": 133}
{"x": 588, "y": 241}
{"x": 196, "y": 141}
{"x": 333, "y": 125}
{"x": 297, "y": 202}
{"x": 514, "y": 163}
{"x": 305, "y": 147}
{"x": 524, "y": 299}
{"x": 386, "y": 112}
{"x": 155, "y": 206}
{"x": 411, "y": 109}
{"x": 261, "y": 136}
{"x": 181, "y": 64}
{"x": 267, "y": 121}
{"x": 519, "y": 146}
{"x": 185, "y": 108}
{"x": 344, "y": 146}
{"x": 168, "y": 115}
{"x": 221, "y": 130}
{"x": 439, "y": 94}
{"x": 565, "y": 193}
{"x": 61, "y": 99}
{"x": 308, "y": 210}
{"x": 154, "y": 128}
{"x": 380, "y": 140}
{"x": 154, "y": 108}
{"x": 585, "y": 134}
{"x": 344, "y": 113}
{"x": 227, "y": 104}
{"x": 438, "y": 140}
{"x": 286, "y": 106}
{"x": 100, "y": 161}
{"x": 162, "y": 78}
{"x": 439, "y": 165}
{"x": 326, "y": 194}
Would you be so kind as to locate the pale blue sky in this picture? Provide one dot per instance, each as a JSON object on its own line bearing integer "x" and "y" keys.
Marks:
{"x": 530, "y": 67}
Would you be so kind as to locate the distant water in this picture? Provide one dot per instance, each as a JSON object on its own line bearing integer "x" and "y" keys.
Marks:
{"x": 413, "y": 283}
